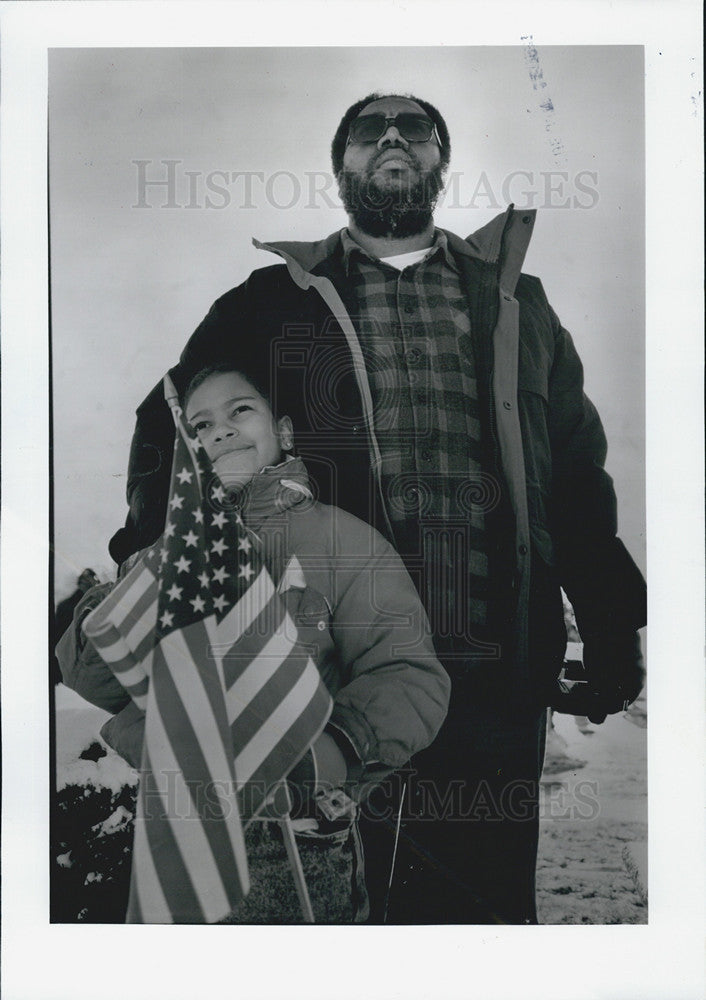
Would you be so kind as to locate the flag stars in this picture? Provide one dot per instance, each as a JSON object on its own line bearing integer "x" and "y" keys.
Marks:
{"x": 177, "y": 502}
{"x": 219, "y": 546}
{"x": 167, "y": 619}
{"x": 182, "y": 565}
{"x": 203, "y": 579}
{"x": 244, "y": 544}
{"x": 198, "y": 604}
{"x": 220, "y": 602}
{"x": 219, "y": 575}
{"x": 163, "y": 554}
{"x": 185, "y": 476}
{"x": 174, "y": 593}
{"x": 219, "y": 520}
{"x": 246, "y": 571}
{"x": 191, "y": 538}
{"x": 218, "y": 494}
{"x": 169, "y": 530}
{"x": 198, "y": 515}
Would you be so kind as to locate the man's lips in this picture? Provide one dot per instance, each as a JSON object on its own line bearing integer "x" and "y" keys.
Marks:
{"x": 396, "y": 157}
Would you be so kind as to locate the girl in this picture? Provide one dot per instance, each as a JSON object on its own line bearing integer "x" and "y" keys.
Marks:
{"x": 359, "y": 614}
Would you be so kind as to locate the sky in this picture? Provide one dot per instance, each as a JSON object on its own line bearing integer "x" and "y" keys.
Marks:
{"x": 237, "y": 141}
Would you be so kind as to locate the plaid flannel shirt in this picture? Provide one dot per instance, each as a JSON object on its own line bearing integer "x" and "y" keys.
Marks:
{"x": 415, "y": 336}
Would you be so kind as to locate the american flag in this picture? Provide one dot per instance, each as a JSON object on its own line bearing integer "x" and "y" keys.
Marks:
{"x": 199, "y": 638}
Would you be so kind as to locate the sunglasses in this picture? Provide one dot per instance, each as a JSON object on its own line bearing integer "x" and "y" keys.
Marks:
{"x": 412, "y": 127}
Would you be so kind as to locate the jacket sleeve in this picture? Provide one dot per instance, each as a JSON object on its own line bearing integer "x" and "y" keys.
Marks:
{"x": 600, "y": 578}
{"x": 395, "y": 693}
{"x": 82, "y": 669}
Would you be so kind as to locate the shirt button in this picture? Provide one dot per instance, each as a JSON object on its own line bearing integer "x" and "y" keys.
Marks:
{"x": 413, "y": 355}
{"x": 507, "y": 405}
{"x": 526, "y": 219}
{"x": 522, "y": 550}
{"x": 321, "y": 626}
{"x": 507, "y": 298}
{"x": 427, "y": 456}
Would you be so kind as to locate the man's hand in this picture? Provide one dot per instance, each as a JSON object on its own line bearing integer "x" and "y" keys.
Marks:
{"x": 615, "y": 673}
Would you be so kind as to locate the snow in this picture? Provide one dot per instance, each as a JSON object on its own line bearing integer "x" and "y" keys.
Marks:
{"x": 78, "y": 725}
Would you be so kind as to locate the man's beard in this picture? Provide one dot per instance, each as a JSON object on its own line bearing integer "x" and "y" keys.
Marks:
{"x": 400, "y": 209}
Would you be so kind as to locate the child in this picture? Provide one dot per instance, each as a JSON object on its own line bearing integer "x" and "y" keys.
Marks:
{"x": 357, "y": 611}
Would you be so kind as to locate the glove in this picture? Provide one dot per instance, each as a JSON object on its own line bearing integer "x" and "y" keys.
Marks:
{"x": 615, "y": 673}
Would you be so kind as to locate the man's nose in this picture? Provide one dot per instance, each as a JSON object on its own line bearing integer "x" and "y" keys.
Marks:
{"x": 390, "y": 137}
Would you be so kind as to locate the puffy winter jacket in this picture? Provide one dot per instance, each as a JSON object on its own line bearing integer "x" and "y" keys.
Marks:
{"x": 356, "y": 609}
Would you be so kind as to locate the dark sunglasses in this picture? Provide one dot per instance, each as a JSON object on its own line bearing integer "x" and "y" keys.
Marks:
{"x": 412, "y": 127}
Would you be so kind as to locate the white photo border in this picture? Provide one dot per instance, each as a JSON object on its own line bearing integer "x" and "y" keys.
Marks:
{"x": 661, "y": 959}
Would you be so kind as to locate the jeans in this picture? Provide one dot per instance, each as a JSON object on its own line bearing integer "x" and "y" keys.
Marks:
{"x": 332, "y": 861}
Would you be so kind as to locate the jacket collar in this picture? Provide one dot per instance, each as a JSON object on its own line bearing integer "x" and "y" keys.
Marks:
{"x": 274, "y": 490}
{"x": 502, "y": 241}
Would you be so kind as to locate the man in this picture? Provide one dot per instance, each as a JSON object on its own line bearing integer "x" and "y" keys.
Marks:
{"x": 437, "y": 395}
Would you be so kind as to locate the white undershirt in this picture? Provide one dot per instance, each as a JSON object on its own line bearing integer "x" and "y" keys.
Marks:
{"x": 402, "y": 260}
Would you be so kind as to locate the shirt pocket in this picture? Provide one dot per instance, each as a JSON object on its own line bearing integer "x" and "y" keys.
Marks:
{"x": 311, "y": 613}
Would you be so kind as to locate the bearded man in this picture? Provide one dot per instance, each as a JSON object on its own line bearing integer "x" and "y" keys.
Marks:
{"x": 436, "y": 394}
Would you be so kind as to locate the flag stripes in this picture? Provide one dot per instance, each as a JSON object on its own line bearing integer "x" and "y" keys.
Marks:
{"x": 185, "y": 795}
{"x": 293, "y": 742}
{"x": 199, "y": 638}
{"x": 147, "y": 903}
{"x": 270, "y": 731}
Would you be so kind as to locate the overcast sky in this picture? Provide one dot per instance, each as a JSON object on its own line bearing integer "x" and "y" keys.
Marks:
{"x": 249, "y": 131}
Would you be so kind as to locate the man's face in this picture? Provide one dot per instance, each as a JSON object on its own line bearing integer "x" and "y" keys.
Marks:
{"x": 389, "y": 187}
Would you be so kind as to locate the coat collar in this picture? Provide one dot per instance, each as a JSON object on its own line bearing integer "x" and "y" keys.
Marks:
{"x": 502, "y": 241}
{"x": 273, "y": 491}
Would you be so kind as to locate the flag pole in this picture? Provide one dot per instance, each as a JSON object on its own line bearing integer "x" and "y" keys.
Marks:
{"x": 295, "y": 863}
{"x": 394, "y": 852}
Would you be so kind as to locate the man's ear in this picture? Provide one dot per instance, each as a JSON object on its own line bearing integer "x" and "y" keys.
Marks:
{"x": 285, "y": 430}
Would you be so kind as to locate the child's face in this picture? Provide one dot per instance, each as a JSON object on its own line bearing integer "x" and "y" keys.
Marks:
{"x": 236, "y": 427}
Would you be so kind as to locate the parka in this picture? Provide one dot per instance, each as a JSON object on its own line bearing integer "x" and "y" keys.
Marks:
{"x": 355, "y": 609}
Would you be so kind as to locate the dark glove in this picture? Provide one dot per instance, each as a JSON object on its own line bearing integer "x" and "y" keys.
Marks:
{"x": 615, "y": 673}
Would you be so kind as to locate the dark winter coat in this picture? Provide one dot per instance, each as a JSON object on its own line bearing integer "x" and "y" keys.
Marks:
{"x": 292, "y": 322}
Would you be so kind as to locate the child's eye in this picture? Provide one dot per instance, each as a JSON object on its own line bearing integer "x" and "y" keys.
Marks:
{"x": 241, "y": 408}
{"x": 201, "y": 425}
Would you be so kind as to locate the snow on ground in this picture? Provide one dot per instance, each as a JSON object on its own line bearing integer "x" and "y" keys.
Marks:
{"x": 78, "y": 725}
{"x": 590, "y": 812}
{"x": 593, "y": 830}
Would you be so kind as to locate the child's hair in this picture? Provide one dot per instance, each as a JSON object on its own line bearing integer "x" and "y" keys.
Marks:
{"x": 223, "y": 368}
